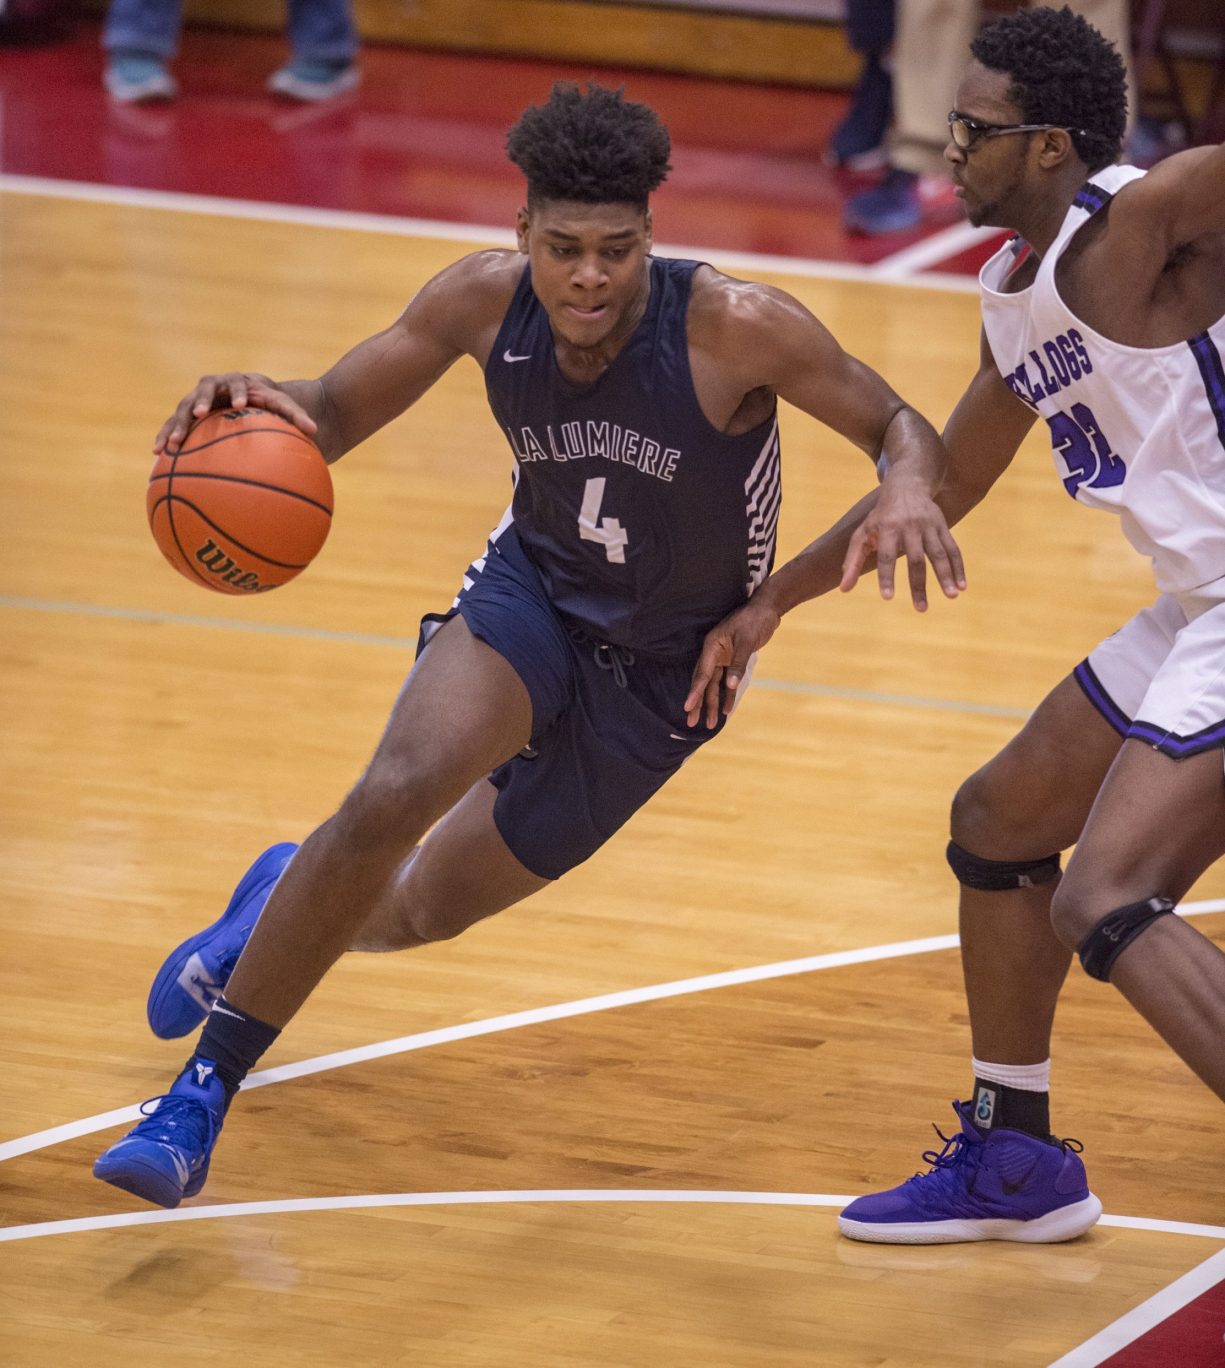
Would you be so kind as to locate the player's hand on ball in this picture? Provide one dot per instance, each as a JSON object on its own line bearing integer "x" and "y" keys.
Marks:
{"x": 905, "y": 521}
{"x": 234, "y": 389}
{"x": 725, "y": 657}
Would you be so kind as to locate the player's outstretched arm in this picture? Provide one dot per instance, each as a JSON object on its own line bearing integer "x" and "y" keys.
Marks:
{"x": 803, "y": 364}
{"x": 453, "y": 314}
{"x": 981, "y": 438}
{"x": 1181, "y": 200}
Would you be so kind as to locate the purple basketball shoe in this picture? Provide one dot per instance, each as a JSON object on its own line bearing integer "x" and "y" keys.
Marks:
{"x": 1004, "y": 1185}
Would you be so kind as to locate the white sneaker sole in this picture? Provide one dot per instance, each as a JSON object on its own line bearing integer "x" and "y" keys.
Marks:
{"x": 285, "y": 83}
{"x": 1065, "y": 1223}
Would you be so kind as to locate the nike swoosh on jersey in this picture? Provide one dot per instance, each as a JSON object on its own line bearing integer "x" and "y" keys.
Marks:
{"x": 506, "y": 356}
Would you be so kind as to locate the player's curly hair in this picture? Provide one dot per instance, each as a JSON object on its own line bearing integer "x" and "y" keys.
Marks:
{"x": 1063, "y": 73}
{"x": 593, "y": 146}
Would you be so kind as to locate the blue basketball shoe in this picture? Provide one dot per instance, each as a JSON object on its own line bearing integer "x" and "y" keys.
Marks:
{"x": 165, "y": 1157}
{"x": 1004, "y": 1185}
{"x": 194, "y": 975}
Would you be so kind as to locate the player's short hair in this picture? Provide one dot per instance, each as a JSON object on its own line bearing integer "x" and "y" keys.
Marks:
{"x": 592, "y": 146}
{"x": 1063, "y": 72}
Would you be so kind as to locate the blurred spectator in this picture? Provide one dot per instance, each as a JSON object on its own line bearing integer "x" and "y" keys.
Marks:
{"x": 859, "y": 140}
{"x": 34, "y": 21}
{"x": 141, "y": 36}
{"x": 929, "y": 52}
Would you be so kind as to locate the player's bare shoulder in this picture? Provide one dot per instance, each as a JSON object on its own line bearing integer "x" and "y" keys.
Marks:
{"x": 748, "y": 342}
{"x": 1167, "y": 199}
{"x": 466, "y": 302}
{"x": 723, "y": 304}
{"x": 746, "y": 325}
{"x": 1164, "y": 234}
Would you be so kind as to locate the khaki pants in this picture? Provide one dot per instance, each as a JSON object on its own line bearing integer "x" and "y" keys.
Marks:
{"x": 930, "y": 51}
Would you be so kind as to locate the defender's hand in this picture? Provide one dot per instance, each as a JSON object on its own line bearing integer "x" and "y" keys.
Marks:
{"x": 905, "y": 521}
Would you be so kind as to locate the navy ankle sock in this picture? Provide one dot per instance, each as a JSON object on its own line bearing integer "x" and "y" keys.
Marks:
{"x": 234, "y": 1041}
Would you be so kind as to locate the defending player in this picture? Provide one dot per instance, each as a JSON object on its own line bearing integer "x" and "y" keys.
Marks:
{"x": 639, "y": 397}
{"x": 1104, "y": 318}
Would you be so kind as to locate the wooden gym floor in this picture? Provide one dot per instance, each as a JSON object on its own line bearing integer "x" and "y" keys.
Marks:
{"x": 532, "y": 1172}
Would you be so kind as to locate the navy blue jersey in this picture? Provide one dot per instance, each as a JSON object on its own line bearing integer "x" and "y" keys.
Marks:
{"x": 647, "y": 524}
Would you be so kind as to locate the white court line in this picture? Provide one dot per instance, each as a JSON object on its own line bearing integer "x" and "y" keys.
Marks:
{"x": 374, "y": 1201}
{"x": 411, "y": 1199}
{"x": 949, "y": 242}
{"x": 477, "y": 234}
{"x": 1142, "y": 1318}
{"x": 174, "y": 201}
{"x": 1210, "y": 1232}
{"x": 491, "y": 1025}
{"x": 628, "y": 997}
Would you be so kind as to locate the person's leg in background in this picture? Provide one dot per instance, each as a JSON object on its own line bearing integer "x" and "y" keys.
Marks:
{"x": 858, "y": 142}
{"x": 324, "y": 44}
{"x": 929, "y": 51}
{"x": 140, "y": 38}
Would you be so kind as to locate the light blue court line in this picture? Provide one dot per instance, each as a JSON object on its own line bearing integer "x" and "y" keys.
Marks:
{"x": 34, "y": 605}
{"x": 889, "y": 700}
{"x": 409, "y": 644}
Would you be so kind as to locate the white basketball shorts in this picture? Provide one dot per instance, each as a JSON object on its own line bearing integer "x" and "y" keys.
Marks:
{"x": 1161, "y": 677}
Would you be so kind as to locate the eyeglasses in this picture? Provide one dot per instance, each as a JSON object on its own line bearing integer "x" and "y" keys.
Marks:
{"x": 967, "y": 132}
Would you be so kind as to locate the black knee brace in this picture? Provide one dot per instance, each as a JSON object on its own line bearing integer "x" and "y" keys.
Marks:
{"x": 995, "y": 876}
{"x": 1116, "y": 930}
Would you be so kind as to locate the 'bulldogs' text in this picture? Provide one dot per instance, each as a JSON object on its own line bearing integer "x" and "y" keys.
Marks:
{"x": 1050, "y": 368}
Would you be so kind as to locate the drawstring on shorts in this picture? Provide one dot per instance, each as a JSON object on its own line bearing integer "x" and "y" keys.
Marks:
{"x": 606, "y": 655}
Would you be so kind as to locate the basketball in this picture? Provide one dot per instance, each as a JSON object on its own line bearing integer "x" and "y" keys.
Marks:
{"x": 243, "y": 505}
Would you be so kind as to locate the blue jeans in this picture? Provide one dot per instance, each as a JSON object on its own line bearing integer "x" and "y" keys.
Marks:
{"x": 319, "y": 30}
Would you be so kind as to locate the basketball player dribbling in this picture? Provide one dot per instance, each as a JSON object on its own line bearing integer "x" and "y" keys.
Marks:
{"x": 1104, "y": 317}
{"x": 639, "y": 396}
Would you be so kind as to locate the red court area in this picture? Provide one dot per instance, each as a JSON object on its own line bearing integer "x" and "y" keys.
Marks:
{"x": 1193, "y": 1337}
{"x": 424, "y": 138}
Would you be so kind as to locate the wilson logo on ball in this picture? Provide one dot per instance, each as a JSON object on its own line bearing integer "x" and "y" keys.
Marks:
{"x": 216, "y": 562}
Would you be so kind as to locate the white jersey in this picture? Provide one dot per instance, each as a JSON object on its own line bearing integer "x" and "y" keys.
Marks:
{"x": 1139, "y": 431}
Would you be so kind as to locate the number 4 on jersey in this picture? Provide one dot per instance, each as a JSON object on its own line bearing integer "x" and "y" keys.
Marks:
{"x": 607, "y": 531}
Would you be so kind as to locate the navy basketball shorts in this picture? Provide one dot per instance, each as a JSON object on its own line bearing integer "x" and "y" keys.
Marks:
{"x": 1161, "y": 677}
{"x": 608, "y": 725}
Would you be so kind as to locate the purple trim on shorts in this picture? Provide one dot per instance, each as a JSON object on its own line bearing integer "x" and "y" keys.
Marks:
{"x": 1101, "y": 700}
{"x": 1178, "y": 747}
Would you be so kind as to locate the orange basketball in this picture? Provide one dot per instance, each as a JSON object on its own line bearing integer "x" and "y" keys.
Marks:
{"x": 243, "y": 505}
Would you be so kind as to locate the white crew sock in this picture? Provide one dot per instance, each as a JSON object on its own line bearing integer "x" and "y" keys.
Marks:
{"x": 1027, "y": 1077}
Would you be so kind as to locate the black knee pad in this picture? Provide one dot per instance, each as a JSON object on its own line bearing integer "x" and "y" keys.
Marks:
{"x": 1116, "y": 930}
{"x": 996, "y": 876}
